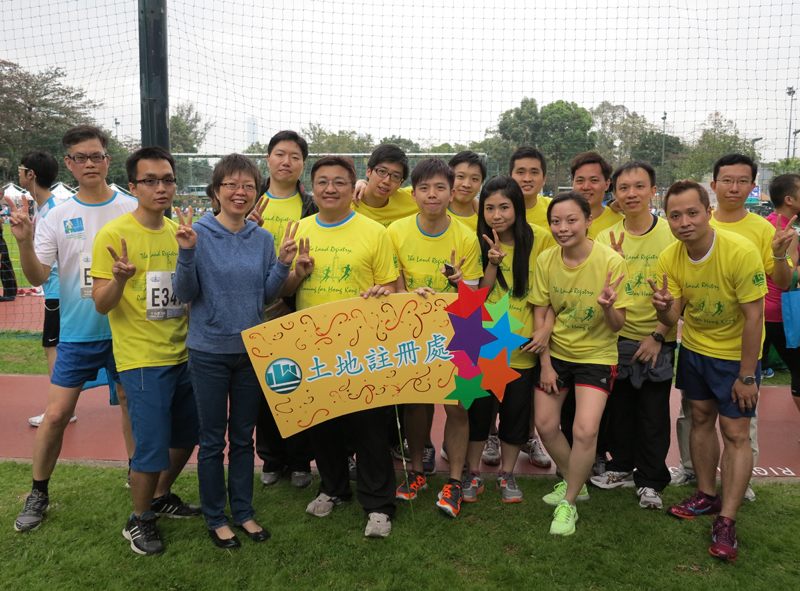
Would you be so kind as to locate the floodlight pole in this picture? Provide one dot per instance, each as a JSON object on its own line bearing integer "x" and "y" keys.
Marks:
{"x": 791, "y": 92}
{"x": 794, "y": 149}
{"x": 663, "y": 138}
{"x": 153, "y": 72}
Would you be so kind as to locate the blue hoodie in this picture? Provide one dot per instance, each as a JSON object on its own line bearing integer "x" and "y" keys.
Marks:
{"x": 228, "y": 278}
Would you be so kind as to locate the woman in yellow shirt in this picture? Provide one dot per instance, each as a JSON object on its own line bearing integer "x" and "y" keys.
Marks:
{"x": 581, "y": 281}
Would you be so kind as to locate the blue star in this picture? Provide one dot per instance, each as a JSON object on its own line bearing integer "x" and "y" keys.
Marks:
{"x": 505, "y": 339}
{"x": 469, "y": 335}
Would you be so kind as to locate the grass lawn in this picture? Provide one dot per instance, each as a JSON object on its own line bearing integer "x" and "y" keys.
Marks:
{"x": 490, "y": 546}
{"x": 13, "y": 253}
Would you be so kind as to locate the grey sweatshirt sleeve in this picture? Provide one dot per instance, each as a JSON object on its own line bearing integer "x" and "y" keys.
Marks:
{"x": 185, "y": 284}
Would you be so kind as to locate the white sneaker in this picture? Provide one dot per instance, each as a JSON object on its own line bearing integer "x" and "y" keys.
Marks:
{"x": 491, "y": 451}
{"x": 36, "y": 421}
{"x": 749, "y": 494}
{"x": 322, "y": 505}
{"x": 378, "y": 526}
{"x": 536, "y": 454}
{"x": 681, "y": 477}
{"x": 611, "y": 479}
{"x": 649, "y": 498}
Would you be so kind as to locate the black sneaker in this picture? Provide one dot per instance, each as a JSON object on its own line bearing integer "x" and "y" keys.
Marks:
{"x": 170, "y": 505}
{"x": 33, "y": 512}
{"x": 142, "y": 532}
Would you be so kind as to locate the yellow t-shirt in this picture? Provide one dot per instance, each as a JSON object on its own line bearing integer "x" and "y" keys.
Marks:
{"x": 279, "y": 211}
{"x": 519, "y": 307}
{"x": 732, "y": 273}
{"x": 148, "y": 326}
{"x": 604, "y": 221}
{"x": 641, "y": 254}
{"x": 757, "y": 230}
{"x": 470, "y": 221}
{"x": 580, "y": 333}
{"x": 349, "y": 257}
{"x": 401, "y": 205}
{"x": 421, "y": 257}
{"x": 537, "y": 215}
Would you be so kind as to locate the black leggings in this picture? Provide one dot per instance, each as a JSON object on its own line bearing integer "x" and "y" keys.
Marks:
{"x": 774, "y": 335}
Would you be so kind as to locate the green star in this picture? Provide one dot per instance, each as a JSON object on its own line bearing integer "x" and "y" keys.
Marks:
{"x": 497, "y": 310}
{"x": 467, "y": 390}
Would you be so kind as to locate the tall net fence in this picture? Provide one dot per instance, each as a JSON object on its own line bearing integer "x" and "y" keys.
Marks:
{"x": 672, "y": 83}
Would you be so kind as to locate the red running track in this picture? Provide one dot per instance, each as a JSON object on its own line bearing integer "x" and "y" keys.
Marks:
{"x": 96, "y": 435}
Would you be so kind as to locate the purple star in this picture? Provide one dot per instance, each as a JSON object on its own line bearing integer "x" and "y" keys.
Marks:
{"x": 469, "y": 335}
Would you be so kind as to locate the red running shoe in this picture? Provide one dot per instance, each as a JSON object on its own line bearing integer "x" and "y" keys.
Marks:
{"x": 723, "y": 540}
{"x": 695, "y": 506}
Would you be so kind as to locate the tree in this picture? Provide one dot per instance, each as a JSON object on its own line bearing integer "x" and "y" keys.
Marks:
{"x": 520, "y": 125}
{"x": 498, "y": 153}
{"x": 618, "y": 131}
{"x": 564, "y": 132}
{"x": 785, "y": 166}
{"x": 37, "y": 109}
{"x": 321, "y": 141}
{"x": 408, "y": 146}
{"x": 649, "y": 148}
{"x": 717, "y": 136}
{"x": 188, "y": 129}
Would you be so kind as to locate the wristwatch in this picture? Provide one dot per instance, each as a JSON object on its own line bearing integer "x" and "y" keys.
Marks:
{"x": 748, "y": 380}
{"x": 659, "y": 338}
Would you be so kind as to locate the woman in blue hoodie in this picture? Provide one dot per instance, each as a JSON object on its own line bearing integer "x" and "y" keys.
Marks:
{"x": 228, "y": 271}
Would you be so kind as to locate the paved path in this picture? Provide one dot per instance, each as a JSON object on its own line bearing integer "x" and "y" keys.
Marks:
{"x": 96, "y": 435}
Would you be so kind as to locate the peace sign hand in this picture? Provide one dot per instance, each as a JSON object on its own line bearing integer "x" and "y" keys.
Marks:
{"x": 186, "y": 237}
{"x": 255, "y": 214}
{"x": 783, "y": 237}
{"x": 121, "y": 269}
{"x": 662, "y": 299}
{"x": 456, "y": 275}
{"x": 21, "y": 224}
{"x": 304, "y": 264}
{"x": 288, "y": 247}
{"x": 617, "y": 246}
{"x": 496, "y": 253}
{"x": 608, "y": 296}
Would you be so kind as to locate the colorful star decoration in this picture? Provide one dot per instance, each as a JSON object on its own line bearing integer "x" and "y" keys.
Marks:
{"x": 482, "y": 356}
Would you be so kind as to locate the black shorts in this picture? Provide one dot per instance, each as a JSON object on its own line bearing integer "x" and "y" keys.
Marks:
{"x": 515, "y": 412}
{"x": 52, "y": 323}
{"x": 587, "y": 375}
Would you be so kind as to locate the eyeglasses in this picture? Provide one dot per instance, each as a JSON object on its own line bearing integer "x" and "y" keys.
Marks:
{"x": 152, "y": 183}
{"x": 236, "y": 186}
{"x": 21, "y": 168}
{"x": 338, "y": 184}
{"x": 728, "y": 182}
{"x": 383, "y": 173}
{"x": 82, "y": 158}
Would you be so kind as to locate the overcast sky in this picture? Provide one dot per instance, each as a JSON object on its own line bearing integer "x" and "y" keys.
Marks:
{"x": 432, "y": 71}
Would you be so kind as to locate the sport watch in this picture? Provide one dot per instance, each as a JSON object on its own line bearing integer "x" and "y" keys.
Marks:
{"x": 659, "y": 338}
{"x": 748, "y": 380}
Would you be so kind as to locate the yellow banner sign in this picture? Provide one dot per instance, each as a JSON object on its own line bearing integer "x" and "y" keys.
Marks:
{"x": 342, "y": 357}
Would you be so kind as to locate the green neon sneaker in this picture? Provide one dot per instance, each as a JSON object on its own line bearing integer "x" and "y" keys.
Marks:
{"x": 560, "y": 491}
{"x": 564, "y": 518}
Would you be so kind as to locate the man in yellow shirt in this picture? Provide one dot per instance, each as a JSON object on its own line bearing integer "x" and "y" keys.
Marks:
{"x": 380, "y": 198}
{"x": 591, "y": 177}
{"x": 716, "y": 280}
{"x": 528, "y": 167}
{"x": 638, "y": 434}
{"x": 343, "y": 255}
{"x": 470, "y": 170}
{"x": 133, "y": 286}
{"x": 434, "y": 252}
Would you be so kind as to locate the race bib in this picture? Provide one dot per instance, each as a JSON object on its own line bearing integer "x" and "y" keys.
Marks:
{"x": 85, "y": 266}
{"x": 161, "y": 300}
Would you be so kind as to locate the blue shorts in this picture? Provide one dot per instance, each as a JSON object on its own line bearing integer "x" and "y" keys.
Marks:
{"x": 163, "y": 413}
{"x": 78, "y": 363}
{"x": 707, "y": 378}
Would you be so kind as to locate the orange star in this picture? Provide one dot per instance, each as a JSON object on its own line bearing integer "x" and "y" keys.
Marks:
{"x": 468, "y": 301}
{"x": 497, "y": 374}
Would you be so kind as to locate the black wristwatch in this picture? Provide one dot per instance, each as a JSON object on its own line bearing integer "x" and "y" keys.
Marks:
{"x": 659, "y": 338}
{"x": 748, "y": 380}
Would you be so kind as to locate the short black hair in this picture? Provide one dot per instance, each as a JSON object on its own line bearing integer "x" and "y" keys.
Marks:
{"x": 680, "y": 187}
{"x": 288, "y": 135}
{"x": 389, "y": 153}
{"x": 527, "y": 152}
{"x": 81, "y": 133}
{"x": 783, "y": 186}
{"x": 343, "y": 161}
{"x": 578, "y": 198}
{"x": 470, "y": 158}
{"x": 591, "y": 158}
{"x": 731, "y": 159}
{"x": 146, "y": 153}
{"x": 634, "y": 165}
{"x": 233, "y": 163}
{"x": 44, "y": 166}
{"x": 429, "y": 168}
